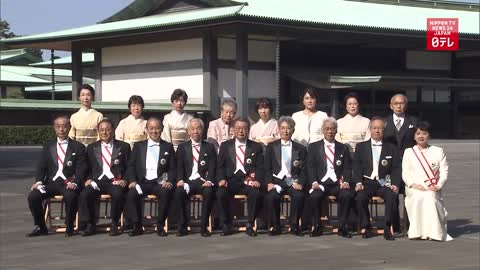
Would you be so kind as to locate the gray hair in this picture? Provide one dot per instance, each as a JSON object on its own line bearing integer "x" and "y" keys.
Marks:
{"x": 286, "y": 119}
{"x": 330, "y": 120}
{"x": 229, "y": 102}
{"x": 189, "y": 123}
{"x": 399, "y": 95}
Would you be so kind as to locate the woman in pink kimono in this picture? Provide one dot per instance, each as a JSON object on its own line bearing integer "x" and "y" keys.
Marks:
{"x": 266, "y": 129}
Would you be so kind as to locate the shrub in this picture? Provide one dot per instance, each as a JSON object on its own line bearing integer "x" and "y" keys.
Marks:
{"x": 25, "y": 135}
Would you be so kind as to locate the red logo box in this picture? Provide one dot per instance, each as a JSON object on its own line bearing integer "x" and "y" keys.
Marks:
{"x": 442, "y": 34}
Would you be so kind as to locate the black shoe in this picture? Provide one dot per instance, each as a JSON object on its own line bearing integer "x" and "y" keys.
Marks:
{"x": 127, "y": 228}
{"x": 114, "y": 230}
{"x": 294, "y": 230}
{"x": 226, "y": 230}
{"x": 388, "y": 235}
{"x": 343, "y": 232}
{"x": 38, "y": 231}
{"x": 69, "y": 232}
{"x": 136, "y": 230}
{"x": 368, "y": 233}
{"x": 161, "y": 232}
{"x": 317, "y": 231}
{"x": 182, "y": 231}
{"x": 204, "y": 232}
{"x": 250, "y": 231}
{"x": 90, "y": 230}
{"x": 275, "y": 231}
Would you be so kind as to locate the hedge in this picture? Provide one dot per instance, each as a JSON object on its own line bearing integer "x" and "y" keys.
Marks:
{"x": 25, "y": 135}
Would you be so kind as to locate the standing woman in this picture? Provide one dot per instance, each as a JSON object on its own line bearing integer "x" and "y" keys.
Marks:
{"x": 175, "y": 123}
{"x": 352, "y": 128}
{"x": 85, "y": 121}
{"x": 132, "y": 128}
{"x": 266, "y": 129}
{"x": 425, "y": 172}
{"x": 308, "y": 122}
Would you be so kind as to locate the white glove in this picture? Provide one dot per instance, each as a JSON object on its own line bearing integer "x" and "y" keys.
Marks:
{"x": 139, "y": 189}
{"x": 94, "y": 185}
{"x": 186, "y": 187}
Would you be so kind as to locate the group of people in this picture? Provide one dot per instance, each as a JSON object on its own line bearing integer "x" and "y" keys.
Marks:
{"x": 307, "y": 156}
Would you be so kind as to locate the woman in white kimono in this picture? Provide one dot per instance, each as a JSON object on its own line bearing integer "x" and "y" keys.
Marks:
{"x": 175, "y": 123}
{"x": 85, "y": 121}
{"x": 352, "y": 128}
{"x": 309, "y": 121}
{"x": 425, "y": 172}
{"x": 266, "y": 129}
{"x": 132, "y": 128}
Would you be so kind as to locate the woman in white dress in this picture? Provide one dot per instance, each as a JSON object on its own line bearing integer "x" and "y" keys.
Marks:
{"x": 425, "y": 172}
{"x": 132, "y": 128}
{"x": 309, "y": 121}
{"x": 352, "y": 128}
{"x": 266, "y": 129}
{"x": 175, "y": 123}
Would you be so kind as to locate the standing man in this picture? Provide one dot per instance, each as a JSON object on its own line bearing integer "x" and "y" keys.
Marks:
{"x": 219, "y": 129}
{"x": 285, "y": 173}
{"x": 108, "y": 161}
{"x": 240, "y": 171}
{"x": 151, "y": 170}
{"x": 400, "y": 131}
{"x": 196, "y": 165}
{"x": 60, "y": 171}
{"x": 377, "y": 172}
{"x": 329, "y": 171}
{"x": 400, "y": 127}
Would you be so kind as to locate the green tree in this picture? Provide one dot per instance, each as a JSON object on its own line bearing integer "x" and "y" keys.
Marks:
{"x": 6, "y": 33}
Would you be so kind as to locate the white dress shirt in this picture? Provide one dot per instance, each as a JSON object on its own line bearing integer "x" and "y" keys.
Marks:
{"x": 240, "y": 155}
{"x": 151, "y": 162}
{"x": 330, "y": 167}
{"x": 61, "y": 150}
{"x": 108, "y": 156}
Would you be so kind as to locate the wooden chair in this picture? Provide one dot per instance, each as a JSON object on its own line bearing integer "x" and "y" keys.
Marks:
{"x": 239, "y": 215}
{"x": 52, "y": 220}
{"x": 106, "y": 199}
{"x": 150, "y": 221}
{"x": 196, "y": 210}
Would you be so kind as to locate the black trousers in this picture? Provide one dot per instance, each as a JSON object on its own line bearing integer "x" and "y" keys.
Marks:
{"x": 70, "y": 197}
{"x": 344, "y": 201}
{"x": 134, "y": 201}
{"x": 182, "y": 199}
{"x": 225, "y": 195}
{"x": 89, "y": 197}
{"x": 273, "y": 199}
{"x": 373, "y": 188}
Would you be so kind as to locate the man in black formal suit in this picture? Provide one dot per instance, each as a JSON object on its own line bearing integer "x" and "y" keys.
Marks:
{"x": 61, "y": 171}
{"x": 196, "y": 165}
{"x": 400, "y": 127}
{"x": 240, "y": 171}
{"x": 285, "y": 173}
{"x": 377, "y": 172}
{"x": 400, "y": 130}
{"x": 151, "y": 170}
{"x": 329, "y": 172}
{"x": 108, "y": 162}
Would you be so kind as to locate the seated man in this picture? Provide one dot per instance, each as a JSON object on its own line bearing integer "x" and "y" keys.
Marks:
{"x": 329, "y": 170}
{"x": 285, "y": 173}
{"x": 196, "y": 165}
{"x": 108, "y": 161}
{"x": 240, "y": 171}
{"x": 60, "y": 171}
{"x": 151, "y": 170}
{"x": 377, "y": 172}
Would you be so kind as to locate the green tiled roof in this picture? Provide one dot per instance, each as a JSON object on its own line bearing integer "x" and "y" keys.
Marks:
{"x": 34, "y": 75}
{"x": 10, "y": 56}
{"x": 86, "y": 58}
{"x": 312, "y": 13}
